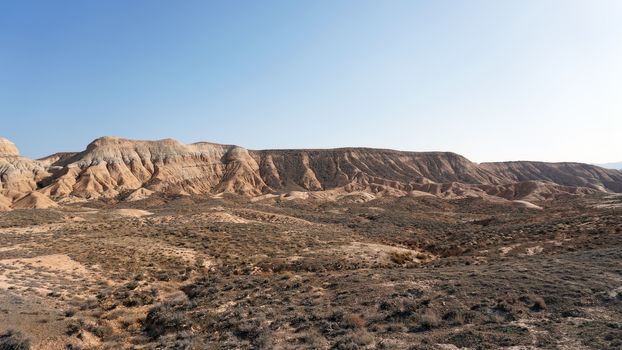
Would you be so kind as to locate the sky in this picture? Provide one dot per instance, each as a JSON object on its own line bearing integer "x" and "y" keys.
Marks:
{"x": 491, "y": 80}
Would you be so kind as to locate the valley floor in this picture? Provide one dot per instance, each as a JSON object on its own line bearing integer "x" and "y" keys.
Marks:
{"x": 390, "y": 273}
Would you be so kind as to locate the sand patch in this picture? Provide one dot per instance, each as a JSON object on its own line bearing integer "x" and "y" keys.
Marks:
{"x": 263, "y": 197}
{"x": 42, "y": 274}
{"x": 132, "y": 213}
{"x": 156, "y": 248}
{"x": 190, "y": 256}
{"x": 256, "y": 215}
{"x": 503, "y": 251}
{"x": 380, "y": 253}
{"x": 294, "y": 195}
{"x": 534, "y": 250}
{"x": 356, "y": 197}
{"x": 423, "y": 285}
{"x": 223, "y": 217}
{"x": 35, "y": 229}
{"x": 139, "y": 194}
{"x": 22, "y": 247}
{"x": 225, "y": 307}
{"x": 72, "y": 200}
{"x": 525, "y": 204}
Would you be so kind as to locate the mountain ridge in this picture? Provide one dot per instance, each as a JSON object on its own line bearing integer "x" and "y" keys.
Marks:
{"x": 113, "y": 167}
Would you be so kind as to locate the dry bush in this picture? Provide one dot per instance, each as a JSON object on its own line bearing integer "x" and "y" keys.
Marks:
{"x": 99, "y": 328}
{"x": 69, "y": 312}
{"x": 401, "y": 258}
{"x": 312, "y": 339}
{"x": 14, "y": 340}
{"x": 497, "y": 318}
{"x": 538, "y": 303}
{"x": 165, "y": 318}
{"x": 354, "y": 321}
{"x": 455, "y": 317}
{"x": 356, "y": 340}
{"x": 430, "y": 319}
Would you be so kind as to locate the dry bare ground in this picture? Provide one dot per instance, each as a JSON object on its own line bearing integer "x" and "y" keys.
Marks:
{"x": 414, "y": 272}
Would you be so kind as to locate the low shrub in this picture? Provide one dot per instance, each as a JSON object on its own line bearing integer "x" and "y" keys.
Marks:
{"x": 165, "y": 318}
{"x": 14, "y": 340}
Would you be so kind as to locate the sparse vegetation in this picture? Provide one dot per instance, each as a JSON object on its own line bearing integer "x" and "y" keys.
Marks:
{"x": 391, "y": 273}
{"x": 14, "y": 340}
{"x": 401, "y": 258}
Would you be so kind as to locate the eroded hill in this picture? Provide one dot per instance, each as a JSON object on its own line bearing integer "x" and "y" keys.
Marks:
{"x": 120, "y": 169}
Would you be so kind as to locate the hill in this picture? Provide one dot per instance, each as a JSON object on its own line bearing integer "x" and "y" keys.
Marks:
{"x": 113, "y": 167}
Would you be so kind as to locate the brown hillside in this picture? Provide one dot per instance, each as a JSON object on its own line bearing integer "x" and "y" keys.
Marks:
{"x": 114, "y": 168}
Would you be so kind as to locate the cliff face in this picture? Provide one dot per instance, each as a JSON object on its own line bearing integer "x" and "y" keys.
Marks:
{"x": 114, "y": 167}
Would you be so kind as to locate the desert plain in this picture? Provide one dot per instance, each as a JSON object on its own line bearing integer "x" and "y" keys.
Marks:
{"x": 224, "y": 248}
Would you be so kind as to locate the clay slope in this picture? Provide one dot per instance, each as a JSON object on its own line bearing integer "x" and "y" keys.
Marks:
{"x": 133, "y": 170}
{"x": 18, "y": 174}
{"x": 110, "y": 167}
{"x": 375, "y": 168}
{"x": 566, "y": 174}
{"x": 18, "y": 180}
{"x": 34, "y": 200}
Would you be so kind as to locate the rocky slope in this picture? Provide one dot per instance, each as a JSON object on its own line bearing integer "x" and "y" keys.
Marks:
{"x": 119, "y": 168}
{"x": 18, "y": 175}
{"x": 567, "y": 174}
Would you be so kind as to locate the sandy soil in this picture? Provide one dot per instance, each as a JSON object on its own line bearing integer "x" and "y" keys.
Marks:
{"x": 388, "y": 272}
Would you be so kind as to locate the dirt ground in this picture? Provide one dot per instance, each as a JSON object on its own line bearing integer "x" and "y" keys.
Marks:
{"x": 390, "y": 273}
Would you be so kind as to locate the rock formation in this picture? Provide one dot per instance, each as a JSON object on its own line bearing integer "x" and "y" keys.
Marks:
{"x": 8, "y": 148}
{"x": 18, "y": 175}
{"x": 132, "y": 170}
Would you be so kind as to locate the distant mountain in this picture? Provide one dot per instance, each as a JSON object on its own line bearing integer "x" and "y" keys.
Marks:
{"x": 123, "y": 169}
{"x": 616, "y": 165}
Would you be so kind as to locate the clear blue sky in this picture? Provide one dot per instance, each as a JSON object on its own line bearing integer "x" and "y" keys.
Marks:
{"x": 492, "y": 80}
